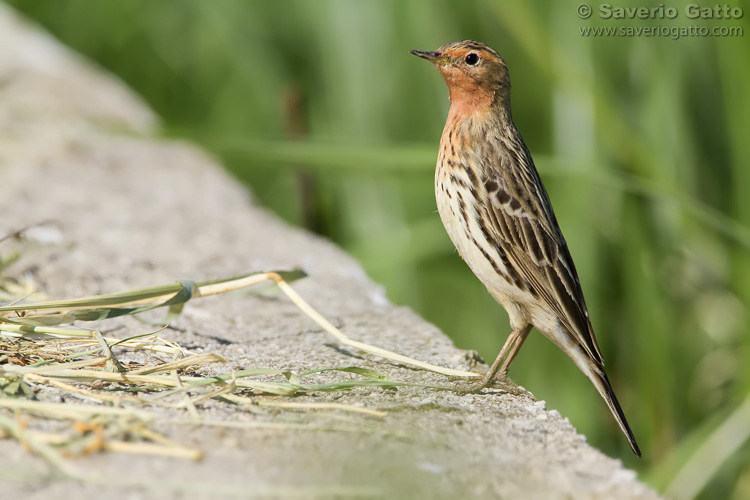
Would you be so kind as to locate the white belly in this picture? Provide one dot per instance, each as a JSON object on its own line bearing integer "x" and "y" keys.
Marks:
{"x": 477, "y": 252}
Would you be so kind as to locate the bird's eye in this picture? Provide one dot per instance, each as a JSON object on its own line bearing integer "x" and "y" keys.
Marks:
{"x": 472, "y": 59}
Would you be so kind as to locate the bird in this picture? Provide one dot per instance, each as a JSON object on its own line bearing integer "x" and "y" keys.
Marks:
{"x": 498, "y": 215}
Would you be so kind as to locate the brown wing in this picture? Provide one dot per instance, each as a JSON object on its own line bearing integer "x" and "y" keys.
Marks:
{"x": 522, "y": 221}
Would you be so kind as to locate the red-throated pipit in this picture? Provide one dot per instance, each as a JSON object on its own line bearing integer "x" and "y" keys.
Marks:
{"x": 498, "y": 215}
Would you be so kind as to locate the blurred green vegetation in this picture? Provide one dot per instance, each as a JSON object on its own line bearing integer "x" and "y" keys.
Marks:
{"x": 641, "y": 141}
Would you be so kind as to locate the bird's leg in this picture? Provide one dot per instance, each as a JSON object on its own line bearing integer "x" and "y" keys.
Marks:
{"x": 507, "y": 354}
{"x": 522, "y": 334}
{"x": 503, "y": 360}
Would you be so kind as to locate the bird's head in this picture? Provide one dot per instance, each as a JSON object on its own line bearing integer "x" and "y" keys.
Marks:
{"x": 476, "y": 75}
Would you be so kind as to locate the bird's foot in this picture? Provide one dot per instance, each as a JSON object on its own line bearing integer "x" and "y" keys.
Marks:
{"x": 470, "y": 387}
{"x": 499, "y": 382}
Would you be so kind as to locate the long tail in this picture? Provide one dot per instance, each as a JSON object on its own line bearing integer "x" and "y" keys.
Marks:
{"x": 596, "y": 374}
{"x": 605, "y": 389}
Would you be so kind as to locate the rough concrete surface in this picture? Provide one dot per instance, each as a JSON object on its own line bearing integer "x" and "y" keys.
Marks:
{"x": 132, "y": 211}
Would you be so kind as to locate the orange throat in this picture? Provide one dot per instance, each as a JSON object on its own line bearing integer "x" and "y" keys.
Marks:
{"x": 467, "y": 96}
{"x": 472, "y": 102}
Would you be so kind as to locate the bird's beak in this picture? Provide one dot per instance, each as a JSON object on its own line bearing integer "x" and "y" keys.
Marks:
{"x": 431, "y": 55}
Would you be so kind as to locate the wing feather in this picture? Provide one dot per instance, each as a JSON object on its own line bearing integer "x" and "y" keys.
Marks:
{"x": 526, "y": 228}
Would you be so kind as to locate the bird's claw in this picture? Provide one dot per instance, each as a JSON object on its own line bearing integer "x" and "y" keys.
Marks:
{"x": 500, "y": 382}
{"x": 471, "y": 387}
